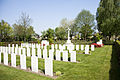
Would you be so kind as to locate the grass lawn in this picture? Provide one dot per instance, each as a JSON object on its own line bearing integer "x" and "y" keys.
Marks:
{"x": 96, "y": 66}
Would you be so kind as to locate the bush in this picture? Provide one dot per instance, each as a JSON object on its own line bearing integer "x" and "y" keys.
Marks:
{"x": 108, "y": 42}
{"x": 58, "y": 73}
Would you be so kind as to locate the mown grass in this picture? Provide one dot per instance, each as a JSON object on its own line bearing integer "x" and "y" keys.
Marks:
{"x": 90, "y": 67}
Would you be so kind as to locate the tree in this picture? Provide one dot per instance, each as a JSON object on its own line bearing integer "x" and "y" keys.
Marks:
{"x": 5, "y": 31}
{"x": 49, "y": 34}
{"x": 60, "y": 33}
{"x": 117, "y": 17}
{"x": 29, "y": 32}
{"x": 23, "y": 30}
{"x": 106, "y": 17}
{"x": 85, "y": 22}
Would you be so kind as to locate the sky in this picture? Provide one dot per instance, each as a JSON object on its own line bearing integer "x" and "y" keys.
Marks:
{"x": 45, "y": 13}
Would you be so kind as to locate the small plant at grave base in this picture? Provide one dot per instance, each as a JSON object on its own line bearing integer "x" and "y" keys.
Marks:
{"x": 58, "y": 73}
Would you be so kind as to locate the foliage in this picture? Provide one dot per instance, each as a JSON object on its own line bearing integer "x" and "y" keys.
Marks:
{"x": 85, "y": 23}
{"x": 60, "y": 33}
{"x": 49, "y": 34}
{"x": 5, "y": 31}
{"x": 58, "y": 73}
{"x": 22, "y": 29}
{"x": 108, "y": 17}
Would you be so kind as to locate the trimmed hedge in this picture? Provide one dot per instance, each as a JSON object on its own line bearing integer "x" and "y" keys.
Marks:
{"x": 117, "y": 47}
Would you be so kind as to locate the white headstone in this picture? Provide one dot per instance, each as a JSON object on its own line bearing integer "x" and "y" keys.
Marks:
{"x": 65, "y": 55}
{"x": 0, "y": 57}
{"x": 56, "y": 46}
{"x": 92, "y": 47}
{"x": 86, "y": 50}
{"x": 71, "y": 47}
{"x": 9, "y": 48}
{"x": 12, "y": 48}
{"x": 19, "y": 51}
{"x": 28, "y": 51}
{"x": 33, "y": 52}
{"x": 45, "y": 53}
{"x": 77, "y": 47}
{"x": 34, "y": 63}
{"x": 82, "y": 47}
{"x": 64, "y": 46}
{"x": 13, "y": 59}
{"x": 16, "y": 45}
{"x": 48, "y": 67}
{"x": 5, "y": 58}
{"x": 73, "y": 56}
{"x": 51, "y": 54}
{"x": 87, "y": 46}
{"x": 58, "y": 57}
{"x": 39, "y": 52}
{"x": 23, "y": 61}
{"x": 16, "y": 50}
{"x": 24, "y": 51}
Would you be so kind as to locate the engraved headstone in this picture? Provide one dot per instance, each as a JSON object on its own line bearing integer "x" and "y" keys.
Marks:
{"x": 48, "y": 67}
{"x": 58, "y": 57}
{"x": 65, "y": 55}
{"x": 39, "y": 52}
{"x": 82, "y": 47}
{"x": 92, "y": 47}
{"x": 77, "y": 47}
{"x": 45, "y": 53}
{"x": 73, "y": 56}
{"x": 34, "y": 63}
{"x": 23, "y": 61}
{"x": 13, "y": 59}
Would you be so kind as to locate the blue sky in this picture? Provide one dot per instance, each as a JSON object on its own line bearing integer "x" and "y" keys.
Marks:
{"x": 45, "y": 13}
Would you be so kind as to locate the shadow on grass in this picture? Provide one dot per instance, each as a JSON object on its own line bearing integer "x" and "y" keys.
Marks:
{"x": 114, "y": 73}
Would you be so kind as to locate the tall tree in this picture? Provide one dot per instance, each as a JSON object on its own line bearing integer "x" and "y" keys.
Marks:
{"x": 106, "y": 17}
{"x": 85, "y": 23}
{"x": 5, "y": 31}
{"x": 22, "y": 29}
{"x": 117, "y": 17}
{"x": 60, "y": 33}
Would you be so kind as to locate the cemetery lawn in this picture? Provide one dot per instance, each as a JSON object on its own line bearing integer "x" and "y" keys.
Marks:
{"x": 89, "y": 67}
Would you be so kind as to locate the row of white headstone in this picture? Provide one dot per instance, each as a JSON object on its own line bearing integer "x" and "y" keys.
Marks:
{"x": 34, "y": 62}
{"x": 51, "y": 52}
{"x": 69, "y": 47}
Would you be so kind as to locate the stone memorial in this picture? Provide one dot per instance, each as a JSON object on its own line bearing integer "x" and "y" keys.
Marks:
{"x": 51, "y": 54}
{"x": 39, "y": 53}
{"x": 48, "y": 67}
{"x": 73, "y": 56}
{"x": 34, "y": 63}
{"x": 24, "y": 51}
{"x": 16, "y": 50}
{"x": 65, "y": 55}
{"x": 45, "y": 53}
{"x": 56, "y": 46}
{"x": 5, "y": 58}
{"x": 23, "y": 61}
{"x": 9, "y": 48}
{"x": 82, "y": 47}
{"x": 58, "y": 57}
{"x": 19, "y": 51}
{"x": 86, "y": 50}
{"x": 28, "y": 51}
{"x": 33, "y": 52}
{"x": 77, "y": 47}
{"x": 92, "y": 47}
{"x": 0, "y": 57}
{"x": 13, "y": 59}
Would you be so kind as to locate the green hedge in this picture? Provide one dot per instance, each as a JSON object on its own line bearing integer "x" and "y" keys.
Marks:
{"x": 117, "y": 47}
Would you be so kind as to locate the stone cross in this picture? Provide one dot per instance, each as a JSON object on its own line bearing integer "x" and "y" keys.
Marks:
{"x": 69, "y": 33}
